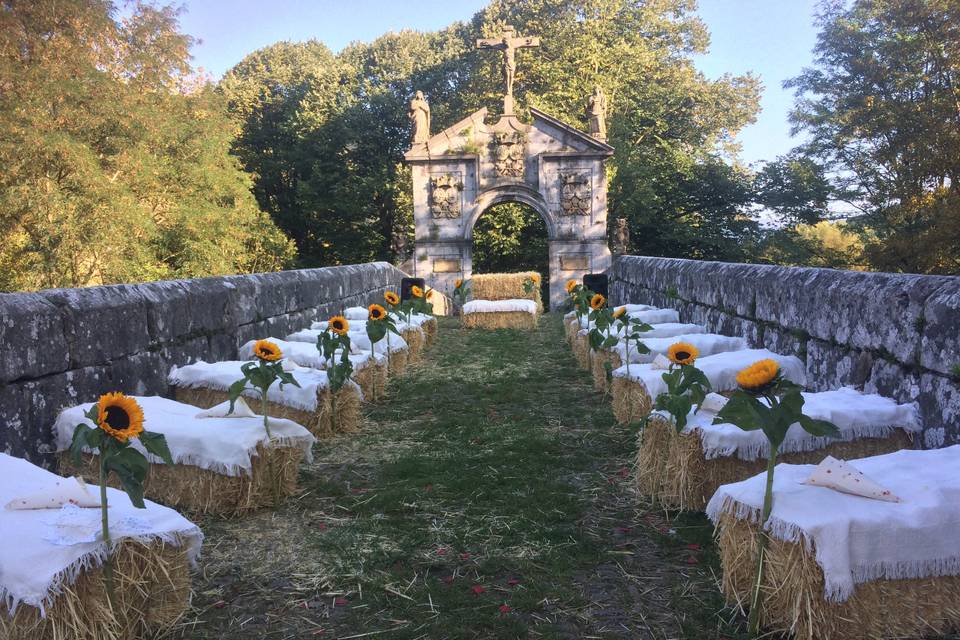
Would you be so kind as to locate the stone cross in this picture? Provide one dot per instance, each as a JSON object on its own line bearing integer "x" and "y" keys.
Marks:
{"x": 508, "y": 42}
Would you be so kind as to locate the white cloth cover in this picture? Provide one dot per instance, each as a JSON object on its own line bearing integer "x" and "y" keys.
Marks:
{"x": 721, "y": 370}
{"x": 58, "y": 493}
{"x": 707, "y": 343}
{"x": 650, "y": 316}
{"x": 306, "y": 354}
{"x": 220, "y": 375}
{"x": 660, "y": 362}
{"x": 491, "y": 306}
{"x": 856, "y": 540}
{"x": 355, "y": 325}
{"x": 713, "y": 402}
{"x": 856, "y": 414}
{"x": 240, "y": 410}
{"x": 46, "y": 550}
{"x": 842, "y": 476}
{"x": 358, "y": 339}
{"x": 223, "y": 445}
{"x": 355, "y": 313}
{"x": 634, "y": 308}
{"x": 671, "y": 329}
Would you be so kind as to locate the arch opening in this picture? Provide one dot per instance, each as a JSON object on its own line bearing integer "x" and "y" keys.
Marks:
{"x": 512, "y": 236}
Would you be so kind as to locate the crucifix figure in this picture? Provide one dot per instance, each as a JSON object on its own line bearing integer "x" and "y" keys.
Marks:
{"x": 508, "y": 42}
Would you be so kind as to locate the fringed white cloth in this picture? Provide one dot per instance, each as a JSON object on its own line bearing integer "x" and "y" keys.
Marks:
{"x": 223, "y": 445}
{"x": 707, "y": 343}
{"x": 355, "y": 313}
{"x": 305, "y": 354}
{"x": 721, "y": 370}
{"x": 45, "y": 550}
{"x": 855, "y": 539}
{"x": 501, "y": 306}
{"x": 856, "y": 414}
{"x": 357, "y": 338}
{"x": 650, "y": 316}
{"x": 220, "y": 375}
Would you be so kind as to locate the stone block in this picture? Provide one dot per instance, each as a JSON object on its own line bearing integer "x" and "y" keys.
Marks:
{"x": 940, "y": 342}
{"x": 786, "y": 342}
{"x": 31, "y": 332}
{"x": 939, "y": 400}
{"x": 830, "y": 367}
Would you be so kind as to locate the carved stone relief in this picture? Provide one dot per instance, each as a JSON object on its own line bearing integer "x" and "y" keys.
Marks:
{"x": 575, "y": 193}
{"x": 445, "y": 196}
{"x": 508, "y": 154}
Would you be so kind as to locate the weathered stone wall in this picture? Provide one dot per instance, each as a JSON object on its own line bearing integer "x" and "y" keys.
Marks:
{"x": 893, "y": 334}
{"x": 62, "y": 347}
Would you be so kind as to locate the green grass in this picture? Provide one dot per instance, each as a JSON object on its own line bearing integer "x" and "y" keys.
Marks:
{"x": 494, "y": 465}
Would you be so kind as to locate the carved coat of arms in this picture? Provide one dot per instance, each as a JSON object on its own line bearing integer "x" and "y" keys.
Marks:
{"x": 508, "y": 154}
{"x": 445, "y": 196}
{"x": 575, "y": 194}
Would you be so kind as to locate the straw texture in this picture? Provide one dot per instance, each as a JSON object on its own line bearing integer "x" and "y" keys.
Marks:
{"x": 631, "y": 402}
{"x": 500, "y": 320}
{"x": 505, "y": 286}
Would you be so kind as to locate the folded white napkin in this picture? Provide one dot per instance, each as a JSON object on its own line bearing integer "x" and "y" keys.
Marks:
{"x": 713, "y": 403}
{"x": 240, "y": 410}
{"x": 660, "y": 362}
{"x": 55, "y": 495}
{"x": 840, "y": 475}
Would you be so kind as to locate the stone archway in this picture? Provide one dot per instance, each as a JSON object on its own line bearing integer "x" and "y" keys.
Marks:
{"x": 555, "y": 169}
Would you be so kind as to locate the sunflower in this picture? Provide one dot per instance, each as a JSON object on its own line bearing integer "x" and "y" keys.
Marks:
{"x": 571, "y": 285}
{"x": 597, "y": 301}
{"x": 376, "y": 312}
{"x": 391, "y": 297}
{"x": 120, "y": 416}
{"x": 267, "y": 351}
{"x": 535, "y": 277}
{"x": 682, "y": 353}
{"x": 416, "y": 291}
{"x": 619, "y": 312}
{"x": 339, "y": 325}
{"x": 759, "y": 376}
{"x": 458, "y": 283}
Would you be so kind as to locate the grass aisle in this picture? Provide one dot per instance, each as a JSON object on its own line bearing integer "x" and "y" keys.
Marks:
{"x": 490, "y": 498}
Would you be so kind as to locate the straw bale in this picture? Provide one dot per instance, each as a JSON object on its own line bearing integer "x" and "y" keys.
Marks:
{"x": 504, "y": 286}
{"x": 500, "y": 320}
{"x": 599, "y": 371}
{"x": 152, "y": 589}
{"x": 653, "y": 444}
{"x": 631, "y": 402}
{"x": 202, "y": 491}
{"x": 793, "y": 586}
{"x": 691, "y": 479}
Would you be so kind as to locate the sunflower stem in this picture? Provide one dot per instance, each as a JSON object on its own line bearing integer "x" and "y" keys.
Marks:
{"x": 105, "y": 524}
{"x": 762, "y": 538}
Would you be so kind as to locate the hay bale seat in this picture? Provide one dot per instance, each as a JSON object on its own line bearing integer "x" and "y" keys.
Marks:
{"x": 653, "y": 444}
{"x": 500, "y": 314}
{"x": 369, "y": 370}
{"x": 205, "y": 384}
{"x": 223, "y": 465}
{"x": 397, "y": 345}
{"x": 892, "y": 575}
{"x": 581, "y": 344}
{"x": 505, "y": 286}
{"x": 706, "y": 456}
{"x": 706, "y": 343}
{"x": 416, "y": 341}
{"x": 57, "y": 591}
{"x": 635, "y": 390}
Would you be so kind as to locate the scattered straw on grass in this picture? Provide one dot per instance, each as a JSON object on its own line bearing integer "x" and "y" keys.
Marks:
{"x": 321, "y": 423}
{"x": 500, "y": 320}
{"x": 505, "y": 286}
{"x": 274, "y": 477}
{"x": 691, "y": 480}
{"x": 631, "y": 402}
{"x": 152, "y": 588}
{"x": 653, "y": 445}
{"x": 793, "y": 593}
{"x": 597, "y": 366}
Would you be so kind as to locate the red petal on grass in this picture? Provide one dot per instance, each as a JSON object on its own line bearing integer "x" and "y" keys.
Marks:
{"x": 441, "y": 551}
{"x": 219, "y": 604}
{"x": 340, "y": 602}
{"x": 465, "y": 556}
{"x": 505, "y": 608}
{"x": 623, "y": 529}
{"x": 478, "y": 589}
{"x": 322, "y": 526}
{"x": 692, "y": 560}
{"x": 448, "y": 579}
{"x": 513, "y": 582}
{"x": 694, "y": 546}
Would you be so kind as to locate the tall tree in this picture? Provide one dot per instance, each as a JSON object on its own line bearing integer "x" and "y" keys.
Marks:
{"x": 115, "y": 161}
{"x": 882, "y": 112}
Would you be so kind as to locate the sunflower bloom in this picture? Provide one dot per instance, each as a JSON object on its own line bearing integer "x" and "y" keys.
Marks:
{"x": 597, "y": 301}
{"x": 619, "y": 312}
{"x": 682, "y": 353}
{"x": 391, "y": 297}
{"x": 120, "y": 416}
{"x": 571, "y": 285}
{"x": 339, "y": 325}
{"x": 416, "y": 291}
{"x": 458, "y": 283}
{"x": 267, "y": 351}
{"x": 758, "y": 376}
{"x": 536, "y": 278}
{"x": 376, "y": 312}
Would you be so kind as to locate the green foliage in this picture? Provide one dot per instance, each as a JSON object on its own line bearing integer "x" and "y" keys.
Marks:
{"x": 510, "y": 237}
{"x": 335, "y": 349}
{"x": 686, "y": 386}
{"x": 260, "y": 375}
{"x": 116, "y": 159}
{"x": 826, "y": 244}
{"x": 880, "y": 112}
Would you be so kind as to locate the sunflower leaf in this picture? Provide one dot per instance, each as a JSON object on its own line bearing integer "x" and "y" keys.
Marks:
{"x": 131, "y": 468}
{"x": 156, "y": 444}
{"x": 81, "y": 439}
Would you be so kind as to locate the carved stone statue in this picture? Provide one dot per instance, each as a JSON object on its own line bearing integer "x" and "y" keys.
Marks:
{"x": 621, "y": 237}
{"x": 597, "y": 110}
{"x": 508, "y": 42}
{"x": 420, "y": 116}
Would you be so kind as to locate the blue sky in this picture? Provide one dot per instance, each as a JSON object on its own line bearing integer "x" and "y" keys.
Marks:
{"x": 772, "y": 38}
